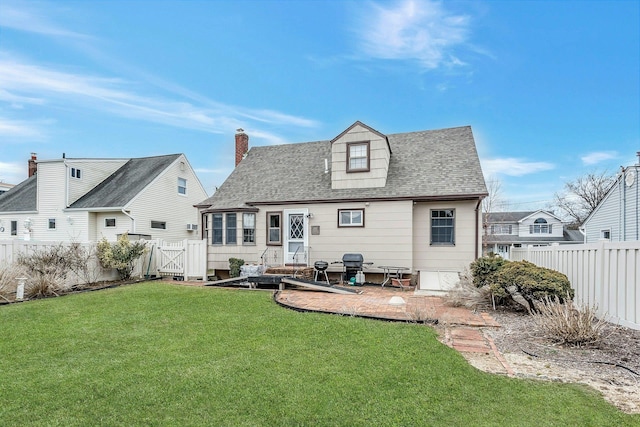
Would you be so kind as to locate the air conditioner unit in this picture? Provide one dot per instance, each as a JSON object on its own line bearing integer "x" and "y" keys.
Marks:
{"x": 192, "y": 227}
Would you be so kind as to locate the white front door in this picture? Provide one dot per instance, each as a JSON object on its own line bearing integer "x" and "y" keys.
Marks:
{"x": 295, "y": 236}
{"x": 503, "y": 251}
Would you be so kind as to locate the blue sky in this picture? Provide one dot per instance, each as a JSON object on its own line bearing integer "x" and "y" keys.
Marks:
{"x": 550, "y": 88}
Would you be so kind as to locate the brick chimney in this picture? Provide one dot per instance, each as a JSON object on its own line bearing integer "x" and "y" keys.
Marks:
{"x": 242, "y": 145}
{"x": 33, "y": 166}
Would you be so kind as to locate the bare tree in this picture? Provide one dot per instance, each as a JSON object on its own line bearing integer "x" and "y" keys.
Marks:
{"x": 581, "y": 196}
{"x": 492, "y": 203}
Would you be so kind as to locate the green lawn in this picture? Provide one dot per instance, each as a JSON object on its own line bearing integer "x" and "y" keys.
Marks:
{"x": 160, "y": 354}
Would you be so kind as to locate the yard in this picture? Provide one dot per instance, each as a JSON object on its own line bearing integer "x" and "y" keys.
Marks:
{"x": 160, "y": 354}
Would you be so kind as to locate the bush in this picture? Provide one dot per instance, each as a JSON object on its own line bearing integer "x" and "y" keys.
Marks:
{"x": 8, "y": 279}
{"x": 120, "y": 255}
{"x": 566, "y": 323}
{"x": 530, "y": 281}
{"x": 234, "y": 266}
{"x": 48, "y": 269}
{"x": 466, "y": 294}
{"x": 484, "y": 269}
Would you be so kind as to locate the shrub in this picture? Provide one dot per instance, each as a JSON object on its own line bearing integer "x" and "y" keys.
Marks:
{"x": 120, "y": 255}
{"x": 8, "y": 279}
{"x": 484, "y": 269}
{"x": 566, "y": 323}
{"x": 234, "y": 266}
{"x": 466, "y": 294}
{"x": 530, "y": 281}
{"x": 48, "y": 269}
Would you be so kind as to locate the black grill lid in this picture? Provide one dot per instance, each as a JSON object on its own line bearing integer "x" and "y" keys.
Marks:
{"x": 321, "y": 265}
{"x": 352, "y": 259}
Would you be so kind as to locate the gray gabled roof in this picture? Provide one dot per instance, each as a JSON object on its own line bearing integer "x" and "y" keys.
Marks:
{"x": 125, "y": 183}
{"x": 568, "y": 236}
{"x": 498, "y": 217}
{"x": 436, "y": 164}
{"x": 21, "y": 198}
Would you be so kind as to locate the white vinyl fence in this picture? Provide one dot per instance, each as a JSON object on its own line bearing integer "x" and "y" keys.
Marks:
{"x": 605, "y": 274}
{"x": 186, "y": 259}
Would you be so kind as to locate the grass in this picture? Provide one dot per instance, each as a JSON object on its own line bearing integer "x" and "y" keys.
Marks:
{"x": 158, "y": 354}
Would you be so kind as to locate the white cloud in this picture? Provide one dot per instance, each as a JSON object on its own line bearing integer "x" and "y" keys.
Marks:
{"x": 12, "y": 130}
{"x": 30, "y": 17}
{"x": 33, "y": 83}
{"x": 597, "y": 157}
{"x": 13, "y": 173}
{"x": 513, "y": 167}
{"x": 420, "y": 30}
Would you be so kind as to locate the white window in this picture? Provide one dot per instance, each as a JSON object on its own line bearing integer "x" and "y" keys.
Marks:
{"x": 14, "y": 228}
{"x": 501, "y": 229}
{"x": 540, "y": 226}
{"x": 249, "y": 228}
{"x": 75, "y": 173}
{"x": 358, "y": 157}
{"x": 159, "y": 225}
{"x": 350, "y": 217}
{"x": 109, "y": 222}
{"x": 274, "y": 228}
{"x": 52, "y": 223}
{"x": 216, "y": 238}
{"x": 605, "y": 234}
{"x": 182, "y": 186}
{"x": 443, "y": 227}
{"x": 231, "y": 229}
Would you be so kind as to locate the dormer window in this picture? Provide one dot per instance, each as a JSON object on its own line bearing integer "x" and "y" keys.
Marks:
{"x": 540, "y": 226}
{"x": 358, "y": 156}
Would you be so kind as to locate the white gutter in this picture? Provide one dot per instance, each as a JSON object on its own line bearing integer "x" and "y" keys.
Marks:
{"x": 133, "y": 220}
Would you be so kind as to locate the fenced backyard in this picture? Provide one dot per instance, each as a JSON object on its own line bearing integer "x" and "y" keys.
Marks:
{"x": 183, "y": 259}
{"x": 605, "y": 274}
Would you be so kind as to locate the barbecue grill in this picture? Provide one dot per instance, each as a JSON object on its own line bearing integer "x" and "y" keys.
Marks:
{"x": 321, "y": 268}
{"x": 352, "y": 264}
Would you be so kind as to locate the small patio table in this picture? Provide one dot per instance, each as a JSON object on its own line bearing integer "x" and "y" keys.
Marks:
{"x": 392, "y": 272}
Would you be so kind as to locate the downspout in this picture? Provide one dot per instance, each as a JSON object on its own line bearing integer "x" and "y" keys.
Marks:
{"x": 133, "y": 220}
{"x": 477, "y": 227}
{"x": 637, "y": 223}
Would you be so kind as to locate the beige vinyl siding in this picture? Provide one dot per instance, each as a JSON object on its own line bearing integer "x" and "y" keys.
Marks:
{"x": 429, "y": 257}
{"x": 378, "y": 161}
{"x": 93, "y": 172}
{"x": 386, "y": 238}
{"x": 160, "y": 201}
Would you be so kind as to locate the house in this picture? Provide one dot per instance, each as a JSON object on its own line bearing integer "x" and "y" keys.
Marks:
{"x": 506, "y": 230}
{"x": 617, "y": 217}
{"x": 409, "y": 200}
{"x": 4, "y": 187}
{"x": 83, "y": 199}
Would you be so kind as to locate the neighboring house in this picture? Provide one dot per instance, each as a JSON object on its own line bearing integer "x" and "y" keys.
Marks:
{"x": 617, "y": 217}
{"x": 506, "y": 230}
{"x": 407, "y": 199}
{"x": 87, "y": 199}
{"x": 4, "y": 187}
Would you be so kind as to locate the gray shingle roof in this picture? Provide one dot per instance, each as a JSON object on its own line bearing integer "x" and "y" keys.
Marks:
{"x": 569, "y": 236}
{"x": 427, "y": 164}
{"x": 21, "y": 198}
{"x": 496, "y": 217}
{"x": 124, "y": 184}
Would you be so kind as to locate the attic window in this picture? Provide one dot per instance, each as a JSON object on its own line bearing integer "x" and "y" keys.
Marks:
{"x": 182, "y": 186}
{"x": 540, "y": 226}
{"x": 75, "y": 173}
{"x": 358, "y": 156}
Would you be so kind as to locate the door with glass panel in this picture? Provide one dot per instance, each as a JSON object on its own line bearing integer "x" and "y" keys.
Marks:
{"x": 295, "y": 236}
